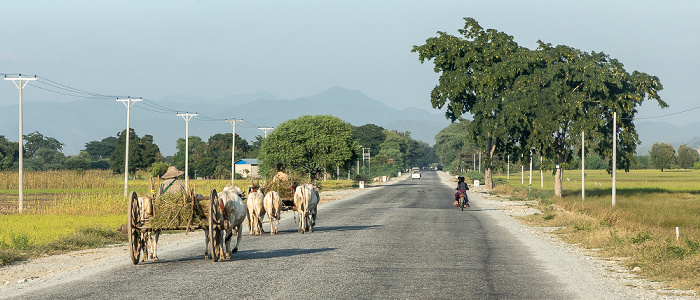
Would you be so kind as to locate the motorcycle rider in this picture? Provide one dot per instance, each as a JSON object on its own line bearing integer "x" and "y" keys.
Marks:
{"x": 462, "y": 187}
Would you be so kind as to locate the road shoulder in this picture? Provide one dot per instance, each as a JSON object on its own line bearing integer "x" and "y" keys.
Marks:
{"x": 583, "y": 273}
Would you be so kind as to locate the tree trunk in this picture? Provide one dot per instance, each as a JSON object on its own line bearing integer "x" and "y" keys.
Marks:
{"x": 488, "y": 178}
{"x": 558, "y": 176}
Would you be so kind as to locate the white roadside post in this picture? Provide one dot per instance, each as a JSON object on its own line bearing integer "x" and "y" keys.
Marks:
{"x": 187, "y": 117}
{"x": 20, "y": 82}
{"x": 128, "y": 103}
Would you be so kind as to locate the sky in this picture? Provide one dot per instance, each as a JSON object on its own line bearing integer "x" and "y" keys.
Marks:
{"x": 292, "y": 49}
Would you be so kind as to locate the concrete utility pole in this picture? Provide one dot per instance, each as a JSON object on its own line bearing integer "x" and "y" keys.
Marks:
{"x": 20, "y": 82}
{"x": 128, "y": 103}
{"x": 583, "y": 167}
{"x": 541, "y": 174}
{"x": 614, "y": 157}
{"x": 366, "y": 155}
{"x": 530, "y": 177}
{"x": 266, "y": 130}
{"x": 187, "y": 117}
{"x": 233, "y": 148}
{"x": 508, "y": 168}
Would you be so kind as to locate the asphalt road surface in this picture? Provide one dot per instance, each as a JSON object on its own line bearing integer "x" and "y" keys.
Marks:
{"x": 399, "y": 241}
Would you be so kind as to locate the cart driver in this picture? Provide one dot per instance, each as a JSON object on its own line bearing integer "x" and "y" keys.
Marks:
{"x": 172, "y": 185}
{"x": 280, "y": 176}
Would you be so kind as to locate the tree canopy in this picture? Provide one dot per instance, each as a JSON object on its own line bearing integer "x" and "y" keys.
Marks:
{"x": 454, "y": 147}
{"x": 310, "y": 143}
{"x": 662, "y": 156}
{"x": 142, "y": 152}
{"x": 369, "y": 136}
{"x": 540, "y": 100}
{"x": 687, "y": 157}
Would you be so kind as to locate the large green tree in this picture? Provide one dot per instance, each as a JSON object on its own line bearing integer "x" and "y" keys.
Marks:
{"x": 662, "y": 156}
{"x": 9, "y": 153}
{"x": 36, "y": 141}
{"x": 143, "y": 152}
{"x": 310, "y": 143}
{"x": 369, "y": 136}
{"x": 453, "y": 146}
{"x": 687, "y": 157}
{"x": 101, "y": 149}
{"x": 477, "y": 77}
{"x": 539, "y": 101}
{"x": 568, "y": 92}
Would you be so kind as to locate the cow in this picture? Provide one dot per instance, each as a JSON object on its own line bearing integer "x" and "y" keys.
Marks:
{"x": 273, "y": 207}
{"x": 256, "y": 211}
{"x": 306, "y": 202}
{"x": 234, "y": 211}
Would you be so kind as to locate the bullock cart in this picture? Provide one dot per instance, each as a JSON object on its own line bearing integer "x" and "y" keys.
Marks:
{"x": 205, "y": 213}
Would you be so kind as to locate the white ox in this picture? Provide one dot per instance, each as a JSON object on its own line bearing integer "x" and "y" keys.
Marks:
{"x": 306, "y": 200}
{"x": 273, "y": 207}
{"x": 235, "y": 212}
{"x": 256, "y": 211}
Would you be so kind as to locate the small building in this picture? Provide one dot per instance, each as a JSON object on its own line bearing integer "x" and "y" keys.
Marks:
{"x": 247, "y": 167}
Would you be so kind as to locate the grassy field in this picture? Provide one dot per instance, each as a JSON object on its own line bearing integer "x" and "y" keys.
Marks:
{"x": 68, "y": 210}
{"x": 650, "y": 204}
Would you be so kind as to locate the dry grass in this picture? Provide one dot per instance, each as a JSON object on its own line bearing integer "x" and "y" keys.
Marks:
{"x": 641, "y": 227}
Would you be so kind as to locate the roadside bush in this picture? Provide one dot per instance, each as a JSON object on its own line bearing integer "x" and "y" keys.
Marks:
{"x": 475, "y": 175}
{"x": 360, "y": 177}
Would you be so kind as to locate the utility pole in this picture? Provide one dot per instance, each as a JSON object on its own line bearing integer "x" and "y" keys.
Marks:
{"x": 541, "y": 174}
{"x": 479, "y": 161}
{"x": 187, "y": 117}
{"x": 358, "y": 161}
{"x": 508, "y": 176}
{"x": 20, "y": 82}
{"x": 265, "y": 129}
{"x": 366, "y": 155}
{"x": 530, "y": 177}
{"x": 128, "y": 103}
{"x": 614, "y": 157}
{"x": 233, "y": 148}
{"x": 583, "y": 167}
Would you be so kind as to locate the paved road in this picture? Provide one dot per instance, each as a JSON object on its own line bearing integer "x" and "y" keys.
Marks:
{"x": 403, "y": 240}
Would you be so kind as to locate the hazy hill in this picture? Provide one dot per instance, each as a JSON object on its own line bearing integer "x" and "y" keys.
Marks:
{"x": 78, "y": 122}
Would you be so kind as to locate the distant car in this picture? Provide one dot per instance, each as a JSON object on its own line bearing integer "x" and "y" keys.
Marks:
{"x": 415, "y": 174}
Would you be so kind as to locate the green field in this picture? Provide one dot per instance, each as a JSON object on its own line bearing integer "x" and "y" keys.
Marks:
{"x": 68, "y": 210}
{"x": 649, "y": 206}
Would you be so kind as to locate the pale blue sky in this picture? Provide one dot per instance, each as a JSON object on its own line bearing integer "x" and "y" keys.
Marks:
{"x": 214, "y": 49}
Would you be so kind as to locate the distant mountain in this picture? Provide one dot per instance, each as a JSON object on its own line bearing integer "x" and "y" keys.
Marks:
{"x": 652, "y": 132}
{"x": 81, "y": 121}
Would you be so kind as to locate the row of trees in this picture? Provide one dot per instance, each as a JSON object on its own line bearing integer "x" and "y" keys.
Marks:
{"x": 540, "y": 100}
{"x": 310, "y": 144}
{"x": 317, "y": 144}
{"x": 663, "y": 156}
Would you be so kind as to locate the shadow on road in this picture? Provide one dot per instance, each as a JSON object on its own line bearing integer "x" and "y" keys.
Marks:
{"x": 264, "y": 254}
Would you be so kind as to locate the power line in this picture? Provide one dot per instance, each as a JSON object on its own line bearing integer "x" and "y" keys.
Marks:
{"x": 671, "y": 114}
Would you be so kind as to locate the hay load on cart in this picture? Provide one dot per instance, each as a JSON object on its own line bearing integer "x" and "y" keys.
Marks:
{"x": 174, "y": 211}
{"x": 282, "y": 184}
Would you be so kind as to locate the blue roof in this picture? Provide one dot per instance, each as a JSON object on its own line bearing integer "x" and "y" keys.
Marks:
{"x": 248, "y": 161}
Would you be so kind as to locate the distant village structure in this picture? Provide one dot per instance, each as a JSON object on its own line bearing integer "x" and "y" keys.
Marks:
{"x": 247, "y": 167}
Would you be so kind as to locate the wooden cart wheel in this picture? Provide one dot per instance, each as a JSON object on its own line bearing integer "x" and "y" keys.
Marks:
{"x": 214, "y": 229}
{"x": 132, "y": 230}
